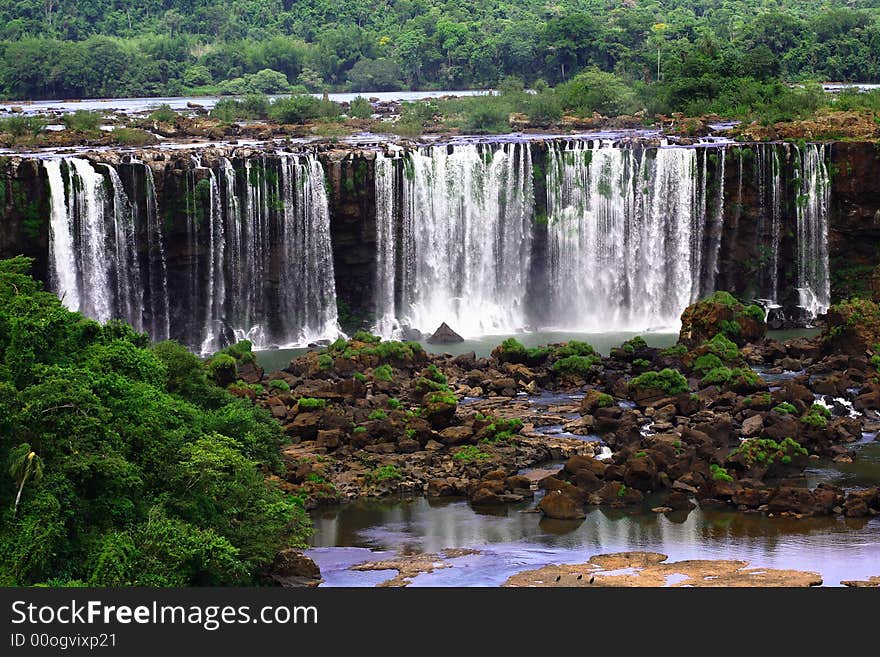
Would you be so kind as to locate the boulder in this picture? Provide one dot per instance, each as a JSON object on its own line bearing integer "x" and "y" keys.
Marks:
{"x": 705, "y": 319}
{"x": 291, "y": 568}
{"x": 444, "y": 335}
{"x": 559, "y": 506}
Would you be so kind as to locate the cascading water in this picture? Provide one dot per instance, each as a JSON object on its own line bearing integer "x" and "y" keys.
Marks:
{"x": 257, "y": 262}
{"x": 625, "y": 236}
{"x": 92, "y": 266}
{"x": 129, "y": 293}
{"x": 307, "y": 290}
{"x": 386, "y": 247}
{"x": 279, "y": 259}
{"x": 813, "y": 275}
{"x": 62, "y": 258}
{"x": 155, "y": 271}
{"x": 465, "y": 238}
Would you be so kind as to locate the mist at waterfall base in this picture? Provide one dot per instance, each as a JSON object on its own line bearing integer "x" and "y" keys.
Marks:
{"x": 572, "y": 238}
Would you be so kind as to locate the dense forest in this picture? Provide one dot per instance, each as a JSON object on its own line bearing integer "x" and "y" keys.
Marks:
{"x": 126, "y": 464}
{"x": 95, "y": 48}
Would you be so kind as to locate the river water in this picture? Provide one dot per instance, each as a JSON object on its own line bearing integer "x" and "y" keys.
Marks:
{"x": 136, "y": 105}
{"x": 511, "y": 539}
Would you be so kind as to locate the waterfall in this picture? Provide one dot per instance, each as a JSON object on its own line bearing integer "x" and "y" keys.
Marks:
{"x": 624, "y": 246}
{"x": 465, "y": 237}
{"x": 62, "y": 258}
{"x": 716, "y": 227}
{"x": 215, "y": 297}
{"x": 158, "y": 303}
{"x": 386, "y": 247}
{"x": 129, "y": 293}
{"x": 813, "y": 277}
{"x": 307, "y": 290}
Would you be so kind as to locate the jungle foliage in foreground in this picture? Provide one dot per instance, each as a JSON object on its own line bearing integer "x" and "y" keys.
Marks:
{"x": 94, "y": 48}
{"x": 122, "y": 463}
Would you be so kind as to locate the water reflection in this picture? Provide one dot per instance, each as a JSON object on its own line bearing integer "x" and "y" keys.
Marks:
{"x": 512, "y": 537}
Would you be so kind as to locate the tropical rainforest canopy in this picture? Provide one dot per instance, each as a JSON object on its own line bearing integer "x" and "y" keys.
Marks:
{"x": 95, "y": 48}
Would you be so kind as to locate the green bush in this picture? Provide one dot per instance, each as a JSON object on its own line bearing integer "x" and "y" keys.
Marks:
{"x": 360, "y": 108}
{"x": 720, "y": 376}
{"x": 785, "y": 407}
{"x": 593, "y": 90}
{"x": 325, "y": 361}
{"x": 581, "y": 365}
{"x": 378, "y": 415}
{"x": 470, "y": 453}
{"x": 302, "y": 108}
{"x": 311, "y": 404}
{"x": 163, "y": 114}
{"x": 386, "y": 472}
{"x": 766, "y": 451}
{"x": 222, "y": 366}
{"x": 575, "y": 348}
{"x": 365, "y": 336}
{"x": 675, "y": 351}
{"x": 633, "y": 345}
{"x": 82, "y": 121}
{"x": 441, "y": 397}
{"x": 394, "y": 404}
{"x": 22, "y": 126}
{"x": 670, "y": 381}
{"x": 383, "y": 373}
{"x": 723, "y": 347}
{"x": 719, "y": 473}
{"x": 707, "y": 363}
{"x": 279, "y": 384}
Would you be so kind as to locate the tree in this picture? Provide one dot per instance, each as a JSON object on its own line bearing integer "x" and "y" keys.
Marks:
{"x": 24, "y": 464}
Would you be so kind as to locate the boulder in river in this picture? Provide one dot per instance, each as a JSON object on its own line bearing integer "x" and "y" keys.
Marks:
{"x": 445, "y": 335}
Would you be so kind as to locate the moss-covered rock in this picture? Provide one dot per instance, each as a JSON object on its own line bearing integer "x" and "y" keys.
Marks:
{"x": 723, "y": 314}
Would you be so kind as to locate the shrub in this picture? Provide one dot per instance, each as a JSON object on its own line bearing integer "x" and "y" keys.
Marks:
{"x": 633, "y": 345}
{"x": 723, "y": 347}
{"x": 723, "y": 298}
{"x": 670, "y": 381}
{"x": 302, "y": 108}
{"x": 394, "y": 404}
{"x": 359, "y": 429}
{"x": 359, "y": 376}
{"x": 163, "y": 114}
{"x": 311, "y": 404}
{"x": 436, "y": 375}
{"x": 815, "y": 420}
{"x": 707, "y": 363}
{"x": 22, "y": 125}
{"x": 674, "y": 351}
{"x": 441, "y": 397}
{"x": 766, "y": 451}
{"x": 366, "y": 336}
{"x": 594, "y": 90}
{"x": 279, "y": 384}
{"x": 575, "y": 348}
{"x": 581, "y": 365}
{"x": 252, "y": 106}
{"x": 82, "y": 121}
{"x": 719, "y": 473}
{"x": 469, "y": 453}
{"x": 360, "y": 108}
{"x": 386, "y": 472}
{"x": 222, "y": 367}
{"x": 785, "y": 407}
{"x": 325, "y": 361}
{"x": 641, "y": 362}
{"x": 605, "y": 400}
{"x": 383, "y": 373}
{"x": 820, "y": 409}
{"x": 132, "y": 137}
{"x": 378, "y": 415}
